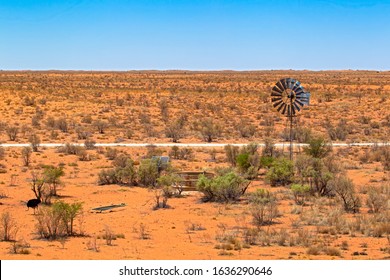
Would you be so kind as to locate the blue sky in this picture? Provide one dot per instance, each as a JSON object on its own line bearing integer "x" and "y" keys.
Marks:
{"x": 194, "y": 35}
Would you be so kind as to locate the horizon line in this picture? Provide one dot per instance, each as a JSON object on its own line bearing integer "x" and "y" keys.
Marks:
{"x": 192, "y": 70}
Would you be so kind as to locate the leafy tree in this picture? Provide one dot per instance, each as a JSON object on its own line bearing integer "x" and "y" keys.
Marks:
{"x": 68, "y": 214}
{"x": 52, "y": 177}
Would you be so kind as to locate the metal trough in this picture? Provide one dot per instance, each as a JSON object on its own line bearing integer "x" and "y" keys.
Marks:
{"x": 108, "y": 207}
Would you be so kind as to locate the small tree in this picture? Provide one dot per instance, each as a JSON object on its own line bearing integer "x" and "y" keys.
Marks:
{"x": 40, "y": 188}
{"x": 174, "y": 130}
{"x": 68, "y": 213}
{"x": 52, "y": 177}
{"x": 26, "y": 155}
{"x": 209, "y": 129}
{"x": 12, "y": 132}
{"x": 101, "y": 126}
{"x": 35, "y": 141}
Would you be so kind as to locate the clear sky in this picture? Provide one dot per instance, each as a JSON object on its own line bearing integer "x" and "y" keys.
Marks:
{"x": 194, "y": 35}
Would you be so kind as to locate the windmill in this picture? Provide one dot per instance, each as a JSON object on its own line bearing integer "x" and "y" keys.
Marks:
{"x": 288, "y": 97}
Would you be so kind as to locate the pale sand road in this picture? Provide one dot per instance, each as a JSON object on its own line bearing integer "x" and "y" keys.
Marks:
{"x": 200, "y": 145}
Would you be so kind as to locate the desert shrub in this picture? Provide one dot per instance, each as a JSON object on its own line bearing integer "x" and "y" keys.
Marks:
{"x": 26, "y": 155}
{"x": 111, "y": 153}
{"x": 82, "y": 133}
{"x": 124, "y": 172}
{"x": 281, "y": 172}
{"x": 386, "y": 158}
{"x": 242, "y": 162}
{"x": 100, "y": 125}
{"x": 107, "y": 177}
{"x": 175, "y": 130}
{"x": 224, "y": 188}
{"x": 89, "y": 144}
{"x": 269, "y": 148}
{"x": 376, "y": 201}
{"x": 8, "y": 227}
{"x": 245, "y": 128}
{"x": 248, "y": 161}
{"x": 164, "y": 109}
{"x": 317, "y": 148}
{"x": 148, "y": 172}
{"x": 263, "y": 207}
{"x": 35, "y": 141}
{"x": 344, "y": 188}
{"x": 86, "y": 119}
{"x": 340, "y": 132}
{"x": 181, "y": 153}
{"x": 300, "y": 193}
{"x": 50, "y": 223}
{"x": 317, "y": 172}
{"x": 12, "y": 132}
{"x": 71, "y": 149}
{"x": 29, "y": 100}
{"x": 231, "y": 153}
{"x": 61, "y": 124}
{"x": 208, "y": 128}
{"x": 266, "y": 161}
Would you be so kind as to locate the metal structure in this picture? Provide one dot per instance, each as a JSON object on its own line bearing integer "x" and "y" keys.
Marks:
{"x": 289, "y": 97}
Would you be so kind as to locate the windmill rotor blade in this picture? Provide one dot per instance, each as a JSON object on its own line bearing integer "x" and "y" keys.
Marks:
{"x": 276, "y": 99}
{"x": 284, "y": 83}
{"x": 281, "y": 107}
{"x": 275, "y": 93}
{"x": 296, "y": 106}
{"x": 284, "y": 109}
{"x": 299, "y": 102}
{"x": 276, "y": 104}
{"x": 299, "y": 91}
{"x": 280, "y": 86}
{"x": 276, "y": 89}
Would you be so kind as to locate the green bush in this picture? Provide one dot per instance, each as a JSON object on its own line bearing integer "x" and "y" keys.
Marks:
{"x": 300, "y": 193}
{"x": 148, "y": 172}
{"x": 318, "y": 148}
{"x": 225, "y": 188}
{"x": 281, "y": 172}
